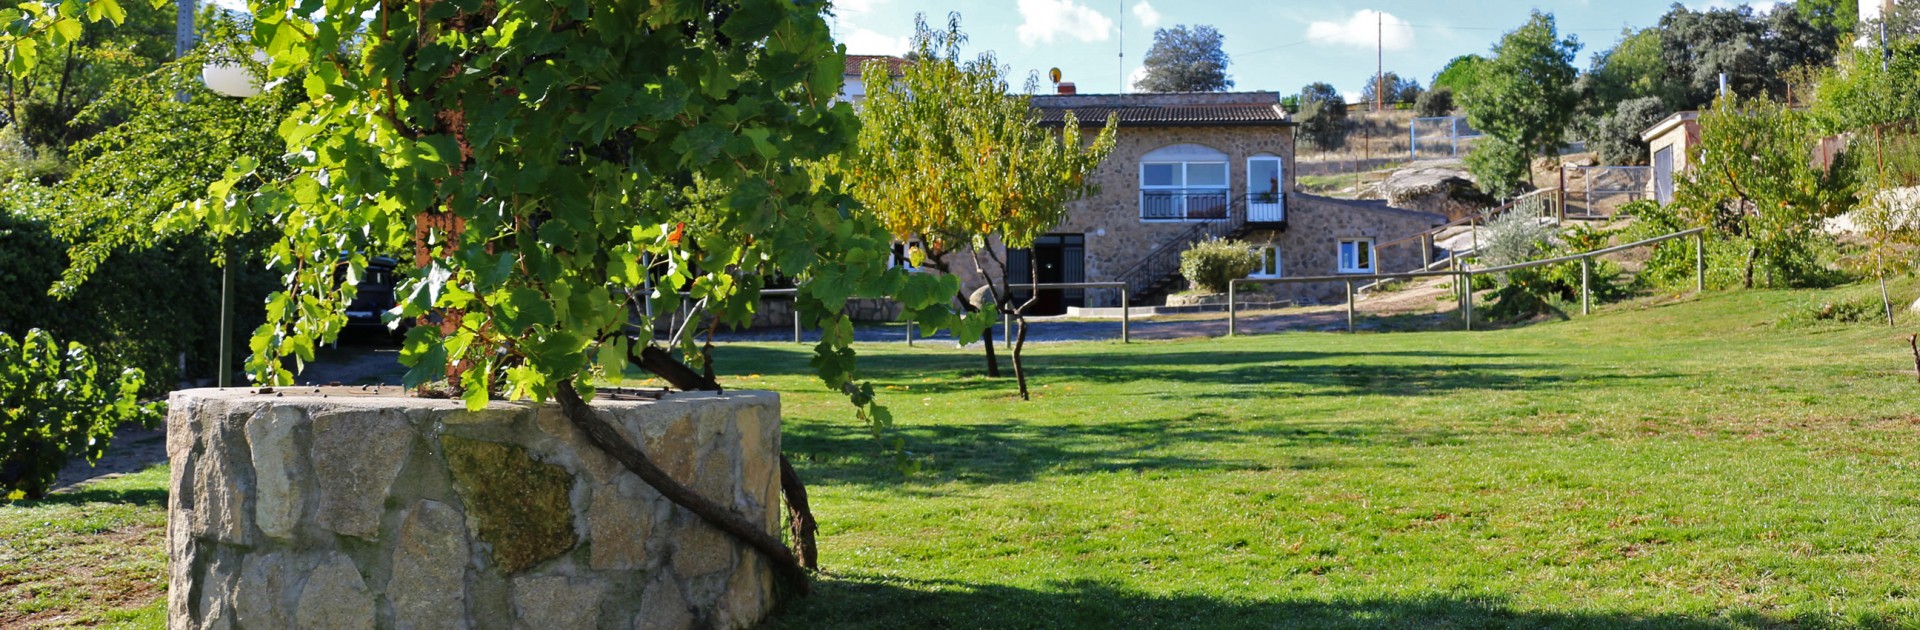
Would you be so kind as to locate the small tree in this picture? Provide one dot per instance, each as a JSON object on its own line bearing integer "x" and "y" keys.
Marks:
{"x": 947, "y": 158}
{"x": 57, "y": 403}
{"x": 1186, "y": 60}
{"x": 1460, "y": 74}
{"x": 1323, "y": 117}
{"x": 1889, "y": 225}
{"x": 1616, "y": 141}
{"x": 1525, "y": 96}
{"x": 1753, "y": 179}
{"x": 1435, "y": 102}
{"x": 1399, "y": 90}
{"x": 1499, "y": 167}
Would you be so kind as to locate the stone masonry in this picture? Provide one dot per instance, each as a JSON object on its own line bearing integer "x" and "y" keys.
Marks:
{"x": 304, "y": 510}
{"x": 1117, "y": 238}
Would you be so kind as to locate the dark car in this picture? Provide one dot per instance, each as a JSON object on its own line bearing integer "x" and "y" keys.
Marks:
{"x": 375, "y": 297}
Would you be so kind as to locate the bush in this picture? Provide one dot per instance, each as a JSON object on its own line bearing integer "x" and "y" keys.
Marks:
{"x": 141, "y": 309}
{"x": 1616, "y": 139}
{"x": 1522, "y": 293}
{"x": 1835, "y": 310}
{"x": 1435, "y": 102}
{"x": 1210, "y": 265}
{"x": 57, "y": 403}
{"x": 1499, "y": 167}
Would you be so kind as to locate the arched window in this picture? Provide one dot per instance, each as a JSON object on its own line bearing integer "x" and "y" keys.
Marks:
{"x": 1184, "y": 182}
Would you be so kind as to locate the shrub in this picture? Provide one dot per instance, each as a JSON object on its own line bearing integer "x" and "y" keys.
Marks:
{"x": 1834, "y": 310}
{"x": 140, "y": 309}
{"x": 1435, "y": 102}
{"x": 1616, "y": 139}
{"x": 1499, "y": 167}
{"x": 54, "y": 404}
{"x": 1210, "y": 265}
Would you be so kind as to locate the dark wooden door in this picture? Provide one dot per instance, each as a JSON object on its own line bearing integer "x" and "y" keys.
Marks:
{"x": 1055, "y": 258}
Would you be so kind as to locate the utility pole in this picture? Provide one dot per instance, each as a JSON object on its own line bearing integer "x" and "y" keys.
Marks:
{"x": 1122, "y": 38}
{"x": 1379, "y": 60}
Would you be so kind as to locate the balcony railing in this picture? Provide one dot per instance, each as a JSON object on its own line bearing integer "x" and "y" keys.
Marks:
{"x": 1184, "y": 204}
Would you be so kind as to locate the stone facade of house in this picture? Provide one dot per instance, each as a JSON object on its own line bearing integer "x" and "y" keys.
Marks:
{"x": 1117, "y": 238}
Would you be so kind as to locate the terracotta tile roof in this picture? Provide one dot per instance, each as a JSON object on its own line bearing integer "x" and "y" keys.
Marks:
{"x": 1169, "y": 115}
{"x": 856, "y": 62}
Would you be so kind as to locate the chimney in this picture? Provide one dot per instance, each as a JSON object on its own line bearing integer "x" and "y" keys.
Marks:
{"x": 1066, "y": 88}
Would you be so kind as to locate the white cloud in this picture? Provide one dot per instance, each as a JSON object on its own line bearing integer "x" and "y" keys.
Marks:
{"x": 861, "y": 41}
{"x": 1366, "y": 27}
{"x": 1050, "y": 19}
{"x": 1133, "y": 79}
{"x": 846, "y": 8}
{"x": 1147, "y": 15}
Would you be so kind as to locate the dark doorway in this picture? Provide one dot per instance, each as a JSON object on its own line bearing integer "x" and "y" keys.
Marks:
{"x": 1055, "y": 258}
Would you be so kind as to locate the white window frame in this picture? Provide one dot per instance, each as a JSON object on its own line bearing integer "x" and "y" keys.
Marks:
{"x": 1372, "y": 257}
{"x": 1280, "y": 194}
{"x": 1269, "y": 252}
{"x": 1220, "y": 158}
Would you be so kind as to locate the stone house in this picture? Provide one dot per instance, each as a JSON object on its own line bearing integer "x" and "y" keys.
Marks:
{"x": 1193, "y": 166}
{"x": 853, "y": 88}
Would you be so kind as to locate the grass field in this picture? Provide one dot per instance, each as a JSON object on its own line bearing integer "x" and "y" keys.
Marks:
{"x": 1691, "y": 465}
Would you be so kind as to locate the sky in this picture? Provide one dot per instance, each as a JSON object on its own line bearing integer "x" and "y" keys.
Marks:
{"x": 1274, "y": 45}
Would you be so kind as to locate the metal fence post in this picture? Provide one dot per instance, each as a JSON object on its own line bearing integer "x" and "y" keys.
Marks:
{"x": 1700, "y": 262}
{"x": 796, "y": 318}
{"x": 1349, "y": 306}
{"x": 1126, "y": 315}
{"x": 1586, "y": 292}
{"x": 909, "y": 334}
{"x": 1426, "y": 250}
{"x": 1233, "y": 304}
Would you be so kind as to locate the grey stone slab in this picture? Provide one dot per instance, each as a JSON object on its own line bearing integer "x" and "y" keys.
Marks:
{"x": 427, "y": 589}
{"x": 356, "y": 455}
{"x": 278, "y": 467}
{"x": 335, "y": 597}
{"x": 557, "y": 602}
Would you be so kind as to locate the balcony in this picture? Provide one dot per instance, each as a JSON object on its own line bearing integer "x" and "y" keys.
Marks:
{"x": 1266, "y": 209}
{"x": 1184, "y": 204}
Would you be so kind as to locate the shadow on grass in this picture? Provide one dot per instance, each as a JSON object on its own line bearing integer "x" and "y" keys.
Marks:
{"x": 1014, "y": 452}
{"x": 142, "y": 497}
{"x": 873, "y": 602}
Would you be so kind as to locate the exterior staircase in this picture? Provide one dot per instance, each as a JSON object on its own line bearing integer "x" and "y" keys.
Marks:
{"x": 1158, "y": 273}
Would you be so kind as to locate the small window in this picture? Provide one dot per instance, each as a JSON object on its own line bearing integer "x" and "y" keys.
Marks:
{"x": 1356, "y": 255}
{"x": 1207, "y": 174}
{"x": 902, "y": 256}
{"x": 1269, "y": 262}
{"x": 1161, "y": 175}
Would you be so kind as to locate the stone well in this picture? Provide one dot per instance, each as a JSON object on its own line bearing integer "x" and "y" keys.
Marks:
{"x": 335, "y": 509}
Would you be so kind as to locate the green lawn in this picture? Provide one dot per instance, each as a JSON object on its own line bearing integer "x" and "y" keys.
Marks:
{"x": 1689, "y": 466}
{"x": 1685, "y": 466}
{"x": 96, "y": 557}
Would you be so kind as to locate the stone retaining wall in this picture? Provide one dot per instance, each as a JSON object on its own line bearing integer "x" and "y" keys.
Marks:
{"x": 351, "y": 511}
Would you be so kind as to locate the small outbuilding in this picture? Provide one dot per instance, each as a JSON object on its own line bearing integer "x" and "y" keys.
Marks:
{"x": 1667, "y": 144}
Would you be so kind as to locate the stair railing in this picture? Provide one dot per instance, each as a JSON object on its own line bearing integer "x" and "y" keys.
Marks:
{"x": 1164, "y": 260}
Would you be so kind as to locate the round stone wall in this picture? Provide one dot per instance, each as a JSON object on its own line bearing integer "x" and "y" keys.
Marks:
{"x": 335, "y": 508}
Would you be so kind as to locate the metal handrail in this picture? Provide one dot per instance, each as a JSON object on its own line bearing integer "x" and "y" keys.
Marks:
{"x": 1165, "y": 259}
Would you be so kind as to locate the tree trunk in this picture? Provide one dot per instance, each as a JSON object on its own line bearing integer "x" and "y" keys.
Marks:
{"x": 800, "y": 513}
{"x": 1019, "y": 343}
{"x": 1886, "y": 301}
{"x": 1753, "y": 253}
{"x": 604, "y": 436}
{"x": 986, "y": 338}
{"x": 993, "y": 362}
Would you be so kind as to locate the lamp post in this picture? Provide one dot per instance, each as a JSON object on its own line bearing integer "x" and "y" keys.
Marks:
{"x": 231, "y": 80}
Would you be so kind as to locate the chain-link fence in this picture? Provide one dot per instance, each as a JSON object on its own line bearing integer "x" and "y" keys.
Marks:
{"x": 1594, "y": 192}
{"x": 1440, "y": 137}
